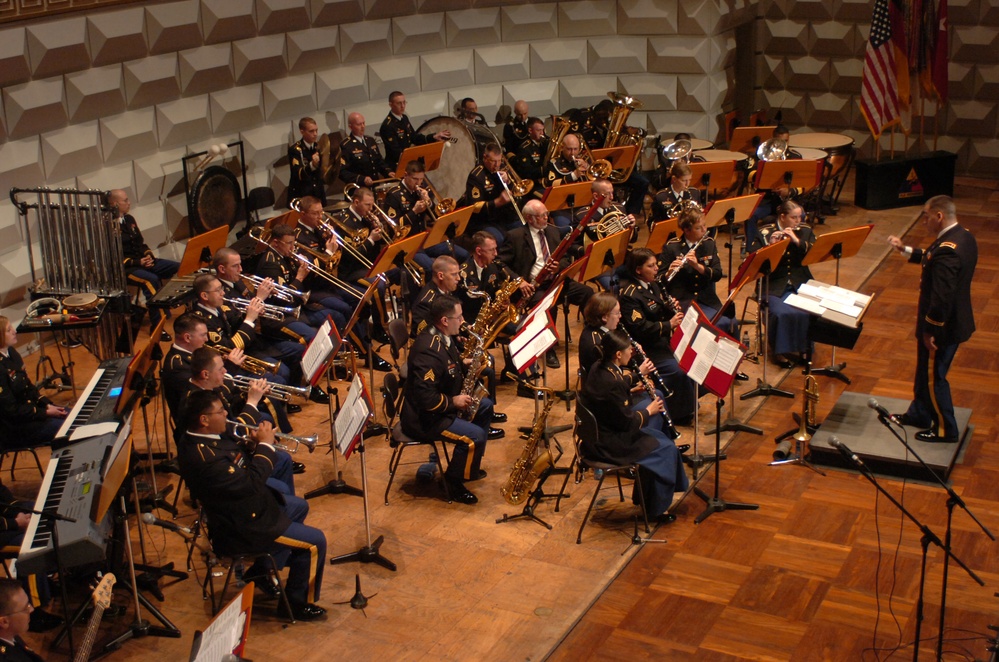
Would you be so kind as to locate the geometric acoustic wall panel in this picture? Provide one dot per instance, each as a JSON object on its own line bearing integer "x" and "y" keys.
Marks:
{"x": 679, "y": 55}
{"x": 584, "y": 92}
{"x": 259, "y": 59}
{"x": 342, "y": 87}
{"x": 616, "y": 55}
{"x": 183, "y": 121}
{"x": 265, "y": 145}
{"x": 361, "y": 42}
{"x": 971, "y": 118}
{"x": 289, "y": 97}
{"x": 279, "y": 16}
{"x": 95, "y": 93}
{"x": 117, "y": 36}
{"x": 974, "y": 43}
{"x": 807, "y": 73}
{"x": 558, "y": 59}
{"x": 34, "y": 107}
{"x": 14, "y": 65}
{"x": 159, "y": 175}
{"x": 445, "y": 71}
{"x": 835, "y": 39}
{"x": 235, "y": 109}
{"x": 387, "y": 8}
{"x": 487, "y": 97}
{"x": 657, "y": 92}
{"x": 174, "y": 26}
{"x": 128, "y": 135}
{"x": 785, "y": 37}
{"x": 58, "y": 47}
{"x": 531, "y": 22}
{"x": 495, "y": 64}
{"x": 845, "y": 76}
{"x": 21, "y": 164}
{"x": 309, "y": 50}
{"x": 151, "y": 80}
{"x": 71, "y": 151}
{"x": 336, "y": 12}
{"x": 541, "y": 96}
{"x": 227, "y": 20}
{"x": 583, "y": 19}
{"x": 419, "y": 33}
{"x": 647, "y": 16}
{"x": 473, "y": 27}
{"x": 829, "y": 110}
{"x": 385, "y": 76}
{"x": 205, "y": 69}
{"x": 987, "y": 83}
{"x": 105, "y": 179}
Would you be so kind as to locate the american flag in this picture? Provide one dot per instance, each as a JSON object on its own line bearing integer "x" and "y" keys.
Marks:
{"x": 879, "y": 91}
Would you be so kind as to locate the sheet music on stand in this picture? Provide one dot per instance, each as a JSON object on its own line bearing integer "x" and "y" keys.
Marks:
{"x": 226, "y": 634}
{"x": 830, "y": 302}
{"x": 354, "y": 414}
{"x": 536, "y": 334}
{"x": 707, "y": 354}
{"x": 324, "y": 345}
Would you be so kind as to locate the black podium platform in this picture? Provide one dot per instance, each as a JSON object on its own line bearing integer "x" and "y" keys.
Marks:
{"x": 856, "y": 425}
{"x": 904, "y": 182}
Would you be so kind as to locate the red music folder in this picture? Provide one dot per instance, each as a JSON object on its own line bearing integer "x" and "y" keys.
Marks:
{"x": 707, "y": 354}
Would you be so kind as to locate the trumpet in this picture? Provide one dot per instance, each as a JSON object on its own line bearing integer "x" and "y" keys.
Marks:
{"x": 251, "y": 364}
{"x": 276, "y": 313}
{"x": 309, "y": 442}
{"x": 282, "y": 292}
{"x": 281, "y": 392}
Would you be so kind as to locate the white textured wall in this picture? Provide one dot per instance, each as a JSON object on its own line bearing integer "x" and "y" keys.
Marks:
{"x": 116, "y": 98}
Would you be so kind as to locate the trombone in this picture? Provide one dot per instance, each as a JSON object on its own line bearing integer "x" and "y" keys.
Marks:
{"x": 309, "y": 442}
{"x": 319, "y": 271}
{"x": 276, "y": 313}
{"x": 442, "y": 205}
{"x": 329, "y": 220}
{"x": 281, "y": 392}
{"x": 251, "y": 364}
{"x": 282, "y": 292}
{"x": 520, "y": 187}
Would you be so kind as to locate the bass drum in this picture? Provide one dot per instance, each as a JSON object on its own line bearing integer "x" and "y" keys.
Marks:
{"x": 216, "y": 200}
{"x": 461, "y": 153}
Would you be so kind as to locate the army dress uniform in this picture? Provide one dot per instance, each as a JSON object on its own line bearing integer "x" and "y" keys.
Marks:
{"x": 667, "y": 199}
{"x": 689, "y": 285}
{"x": 360, "y": 158}
{"x": 305, "y": 179}
{"x": 529, "y": 161}
{"x": 148, "y": 279}
{"x": 397, "y": 134}
{"x": 23, "y": 420}
{"x": 484, "y": 186}
{"x": 788, "y": 330}
{"x": 284, "y": 271}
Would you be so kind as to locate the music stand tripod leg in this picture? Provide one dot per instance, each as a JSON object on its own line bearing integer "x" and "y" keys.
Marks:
{"x": 370, "y": 553}
{"x": 763, "y": 388}
{"x": 715, "y": 504}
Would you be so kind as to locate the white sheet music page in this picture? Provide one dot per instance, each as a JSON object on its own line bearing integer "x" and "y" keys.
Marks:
{"x": 317, "y": 351}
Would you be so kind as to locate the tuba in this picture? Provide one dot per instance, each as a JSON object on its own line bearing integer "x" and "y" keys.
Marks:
{"x": 560, "y": 127}
{"x": 618, "y": 133}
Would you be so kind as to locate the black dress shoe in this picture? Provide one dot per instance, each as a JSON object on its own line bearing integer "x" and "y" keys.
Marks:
{"x": 551, "y": 359}
{"x": 499, "y": 417}
{"x": 495, "y": 433}
{"x": 42, "y": 621}
{"x": 478, "y": 476}
{"x": 460, "y": 493}
{"x": 319, "y": 395}
{"x": 683, "y": 448}
{"x": 381, "y": 365}
{"x": 297, "y": 468}
{"x": 292, "y": 409}
{"x": 165, "y": 337}
{"x": 666, "y": 518}
{"x": 380, "y": 335}
{"x": 305, "y": 612}
{"x": 742, "y": 377}
{"x": 265, "y": 583}
{"x": 784, "y": 364}
{"x": 375, "y": 430}
{"x": 905, "y": 419}
{"x": 929, "y": 437}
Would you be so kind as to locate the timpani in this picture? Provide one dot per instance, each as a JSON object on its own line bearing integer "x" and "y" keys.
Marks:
{"x": 698, "y": 144}
{"x": 835, "y": 145}
{"x": 811, "y": 154}
{"x": 721, "y": 155}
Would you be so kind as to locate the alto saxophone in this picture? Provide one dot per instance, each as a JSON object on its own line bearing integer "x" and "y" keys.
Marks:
{"x": 533, "y": 460}
{"x": 471, "y": 386}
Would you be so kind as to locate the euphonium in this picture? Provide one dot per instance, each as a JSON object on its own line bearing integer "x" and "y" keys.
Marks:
{"x": 309, "y": 442}
{"x": 282, "y": 392}
{"x": 250, "y": 364}
{"x": 612, "y": 222}
{"x": 534, "y": 458}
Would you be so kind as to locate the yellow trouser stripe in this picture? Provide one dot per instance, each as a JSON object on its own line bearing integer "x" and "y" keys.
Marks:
{"x": 931, "y": 383}
{"x": 314, "y": 557}
{"x": 462, "y": 439}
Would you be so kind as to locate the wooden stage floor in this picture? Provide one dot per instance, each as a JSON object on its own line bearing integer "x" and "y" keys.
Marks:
{"x": 816, "y": 573}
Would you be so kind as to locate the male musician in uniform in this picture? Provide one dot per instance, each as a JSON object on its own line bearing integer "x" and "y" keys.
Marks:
{"x": 603, "y": 213}
{"x": 397, "y": 131}
{"x": 360, "y": 161}
{"x": 304, "y": 162}
{"x": 498, "y": 214}
{"x": 433, "y": 398}
{"x": 527, "y": 250}
{"x": 468, "y": 111}
{"x": 244, "y": 514}
{"x": 321, "y": 249}
{"x": 515, "y": 129}
{"x": 567, "y": 167}
{"x": 410, "y": 204}
{"x": 945, "y": 317}
{"x": 141, "y": 267}
{"x": 529, "y": 155}
{"x": 677, "y": 194}
{"x": 15, "y": 614}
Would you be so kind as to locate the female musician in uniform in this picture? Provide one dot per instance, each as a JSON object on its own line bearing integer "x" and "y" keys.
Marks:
{"x": 788, "y": 326}
{"x": 625, "y": 434}
{"x": 27, "y": 418}
{"x": 677, "y": 192}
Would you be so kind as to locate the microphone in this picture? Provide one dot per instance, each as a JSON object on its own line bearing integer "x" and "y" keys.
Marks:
{"x": 882, "y": 412}
{"x": 846, "y": 452}
{"x": 149, "y": 518}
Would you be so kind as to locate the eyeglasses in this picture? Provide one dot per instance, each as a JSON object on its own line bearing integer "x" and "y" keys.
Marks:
{"x": 28, "y": 608}
{"x": 454, "y": 317}
{"x": 220, "y": 410}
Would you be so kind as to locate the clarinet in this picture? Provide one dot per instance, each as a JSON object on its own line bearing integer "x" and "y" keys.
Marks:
{"x": 638, "y": 358}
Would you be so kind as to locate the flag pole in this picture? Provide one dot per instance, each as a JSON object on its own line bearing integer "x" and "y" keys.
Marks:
{"x": 936, "y": 125}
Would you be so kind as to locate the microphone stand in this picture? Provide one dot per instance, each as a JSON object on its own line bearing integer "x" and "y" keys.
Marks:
{"x": 927, "y": 538}
{"x": 953, "y": 499}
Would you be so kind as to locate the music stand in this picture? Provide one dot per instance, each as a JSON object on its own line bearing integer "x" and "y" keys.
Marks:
{"x": 201, "y": 249}
{"x": 396, "y": 254}
{"x": 836, "y": 246}
{"x": 450, "y": 226}
{"x": 605, "y": 253}
{"x": 574, "y": 269}
{"x": 226, "y": 633}
{"x": 731, "y": 211}
{"x": 796, "y": 172}
{"x": 757, "y": 267}
{"x": 705, "y": 173}
{"x": 622, "y": 157}
{"x": 747, "y": 139}
{"x": 348, "y": 434}
{"x": 661, "y": 233}
{"x": 568, "y": 196}
{"x": 429, "y": 155}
